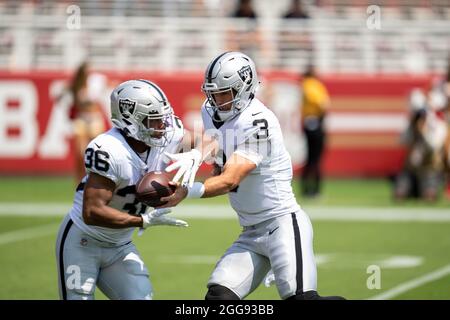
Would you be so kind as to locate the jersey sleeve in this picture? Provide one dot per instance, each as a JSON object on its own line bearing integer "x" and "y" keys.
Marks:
{"x": 254, "y": 139}
{"x": 100, "y": 158}
{"x": 253, "y": 129}
{"x": 254, "y": 150}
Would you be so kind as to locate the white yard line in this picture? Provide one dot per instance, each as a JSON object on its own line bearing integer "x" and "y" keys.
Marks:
{"x": 212, "y": 259}
{"x": 34, "y": 209}
{"x": 412, "y": 284}
{"x": 389, "y": 214}
{"x": 28, "y": 233}
{"x": 317, "y": 213}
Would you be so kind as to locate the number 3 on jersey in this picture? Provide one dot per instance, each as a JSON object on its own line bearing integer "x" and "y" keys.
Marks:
{"x": 263, "y": 125}
{"x": 97, "y": 159}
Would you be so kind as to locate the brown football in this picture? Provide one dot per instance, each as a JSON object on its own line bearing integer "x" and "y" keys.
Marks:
{"x": 152, "y": 187}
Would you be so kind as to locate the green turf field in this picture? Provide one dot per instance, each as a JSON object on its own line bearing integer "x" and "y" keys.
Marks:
{"x": 413, "y": 255}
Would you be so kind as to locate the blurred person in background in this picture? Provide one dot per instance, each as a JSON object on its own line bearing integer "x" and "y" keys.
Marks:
{"x": 244, "y": 40}
{"x": 246, "y": 36}
{"x": 438, "y": 103}
{"x": 244, "y": 10}
{"x": 85, "y": 113}
{"x": 406, "y": 183}
{"x": 315, "y": 102}
{"x": 447, "y": 142}
{"x": 421, "y": 176}
{"x": 296, "y": 11}
{"x": 294, "y": 37}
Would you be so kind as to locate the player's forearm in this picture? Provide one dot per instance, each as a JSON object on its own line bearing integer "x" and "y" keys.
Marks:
{"x": 219, "y": 185}
{"x": 105, "y": 216}
{"x": 235, "y": 170}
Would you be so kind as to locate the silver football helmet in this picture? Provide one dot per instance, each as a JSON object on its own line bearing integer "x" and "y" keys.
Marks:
{"x": 135, "y": 105}
{"x": 236, "y": 73}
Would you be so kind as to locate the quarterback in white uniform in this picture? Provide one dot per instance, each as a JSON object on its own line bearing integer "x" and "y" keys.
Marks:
{"x": 94, "y": 246}
{"x": 256, "y": 172}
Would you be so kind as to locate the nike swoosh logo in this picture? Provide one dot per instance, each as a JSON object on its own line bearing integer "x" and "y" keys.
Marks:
{"x": 97, "y": 145}
{"x": 254, "y": 114}
{"x": 272, "y": 231}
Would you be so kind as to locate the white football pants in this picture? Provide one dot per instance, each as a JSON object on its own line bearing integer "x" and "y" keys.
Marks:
{"x": 84, "y": 262}
{"x": 284, "y": 244}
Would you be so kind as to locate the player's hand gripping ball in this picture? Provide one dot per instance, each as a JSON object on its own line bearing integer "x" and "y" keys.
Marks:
{"x": 152, "y": 187}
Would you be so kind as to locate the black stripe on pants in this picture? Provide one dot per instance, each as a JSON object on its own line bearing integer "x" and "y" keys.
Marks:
{"x": 298, "y": 254}
{"x": 61, "y": 259}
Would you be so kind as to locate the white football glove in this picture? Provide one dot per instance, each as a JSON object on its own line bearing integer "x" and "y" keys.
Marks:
{"x": 187, "y": 164}
{"x": 157, "y": 217}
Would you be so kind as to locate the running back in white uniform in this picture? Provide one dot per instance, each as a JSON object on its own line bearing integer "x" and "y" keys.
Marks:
{"x": 256, "y": 134}
{"x": 109, "y": 155}
{"x": 106, "y": 257}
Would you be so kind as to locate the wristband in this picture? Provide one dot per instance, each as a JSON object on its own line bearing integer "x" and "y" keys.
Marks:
{"x": 196, "y": 191}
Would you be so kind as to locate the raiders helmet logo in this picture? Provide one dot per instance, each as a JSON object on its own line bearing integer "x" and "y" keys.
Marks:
{"x": 127, "y": 107}
{"x": 246, "y": 74}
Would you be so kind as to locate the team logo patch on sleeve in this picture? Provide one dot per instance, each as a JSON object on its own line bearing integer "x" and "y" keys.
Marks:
{"x": 246, "y": 74}
{"x": 127, "y": 107}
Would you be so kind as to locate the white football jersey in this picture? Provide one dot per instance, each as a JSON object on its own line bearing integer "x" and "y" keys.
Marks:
{"x": 110, "y": 155}
{"x": 255, "y": 134}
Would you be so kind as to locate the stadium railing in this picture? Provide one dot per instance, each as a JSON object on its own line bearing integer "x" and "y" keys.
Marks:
{"x": 30, "y": 42}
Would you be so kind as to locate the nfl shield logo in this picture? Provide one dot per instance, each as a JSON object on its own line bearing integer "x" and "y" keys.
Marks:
{"x": 246, "y": 74}
{"x": 127, "y": 107}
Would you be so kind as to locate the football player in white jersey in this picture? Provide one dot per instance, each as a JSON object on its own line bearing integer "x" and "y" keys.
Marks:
{"x": 256, "y": 173}
{"x": 94, "y": 245}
